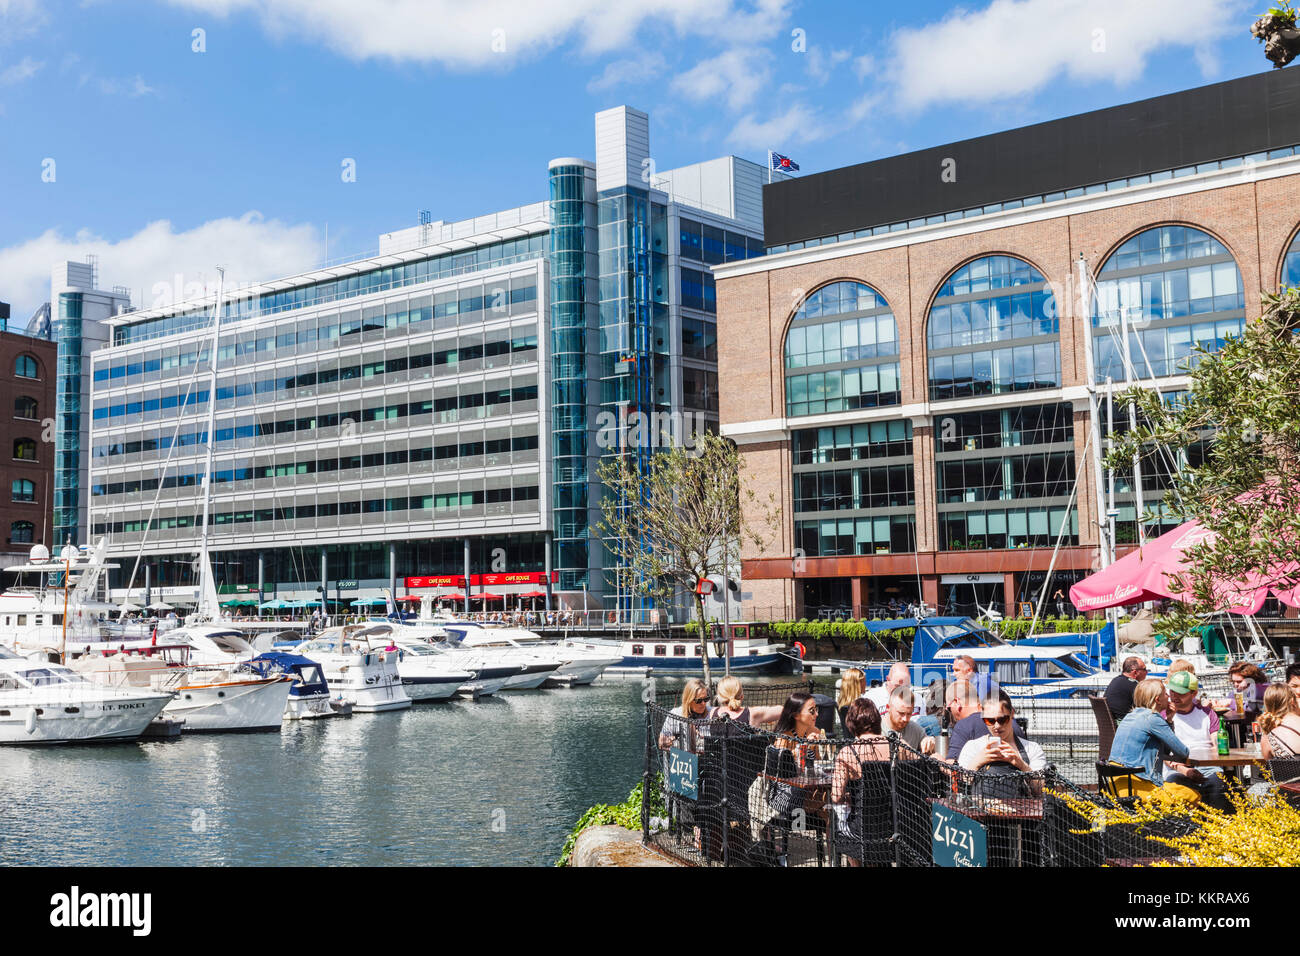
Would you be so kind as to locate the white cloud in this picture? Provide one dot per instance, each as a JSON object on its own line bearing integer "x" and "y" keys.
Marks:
{"x": 821, "y": 64}
{"x": 250, "y": 248}
{"x": 864, "y": 65}
{"x": 23, "y": 70}
{"x": 798, "y": 124}
{"x": 738, "y": 74}
{"x": 128, "y": 86}
{"x": 494, "y": 32}
{"x": 641, "y": 69}
{"x": 19, "y": 18}
{"x": 1015, "y": 47}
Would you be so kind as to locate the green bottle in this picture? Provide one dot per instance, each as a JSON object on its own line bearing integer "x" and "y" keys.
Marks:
{"x": 1223, "y": 740}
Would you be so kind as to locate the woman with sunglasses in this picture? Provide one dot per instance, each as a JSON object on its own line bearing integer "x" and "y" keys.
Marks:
{"x": 680, "y": 729}
{"x": 1001, "y": 746}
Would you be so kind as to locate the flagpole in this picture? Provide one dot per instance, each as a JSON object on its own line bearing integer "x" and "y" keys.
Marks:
{"x": 769, "y": 167}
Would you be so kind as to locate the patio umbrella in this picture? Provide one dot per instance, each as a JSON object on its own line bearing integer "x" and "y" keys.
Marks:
{"x": 1145, "y": 575}
{"x": 533, "y": 594}
{"x": 487, "y": 597}
{"x": 160, "y": 606}
{"x": 453, "y": 596}
{"x": 411, "y": 598}
{"x": 128, "y": 607}
{"x": 275, "y": 605}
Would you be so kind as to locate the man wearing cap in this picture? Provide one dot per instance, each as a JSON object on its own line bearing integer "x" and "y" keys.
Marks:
{"x": 1197, "y": 727}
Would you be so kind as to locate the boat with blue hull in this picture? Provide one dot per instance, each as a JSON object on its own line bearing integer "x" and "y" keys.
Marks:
{"x": 1043, "y": 667}
{"x": 752, "y": 650}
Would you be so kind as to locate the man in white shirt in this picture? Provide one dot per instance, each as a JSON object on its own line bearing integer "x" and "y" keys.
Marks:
{"x": 898, "y": 677}
{"x": 1196, "y": 727}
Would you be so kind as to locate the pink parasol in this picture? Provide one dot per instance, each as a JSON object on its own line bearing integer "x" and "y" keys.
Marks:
{"x": 1145, "y": 575}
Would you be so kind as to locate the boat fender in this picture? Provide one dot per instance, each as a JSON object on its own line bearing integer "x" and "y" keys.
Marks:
{"x": 30, "y": 724}
{"x": 803, "y": 652}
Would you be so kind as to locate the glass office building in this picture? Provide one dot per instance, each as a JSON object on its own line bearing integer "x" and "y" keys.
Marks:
{"x": 428, "y": 412}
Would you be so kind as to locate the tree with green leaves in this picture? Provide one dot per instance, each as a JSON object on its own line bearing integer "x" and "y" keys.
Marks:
{"x": 677, "y": 518}
{"x": 1246, "y": 490}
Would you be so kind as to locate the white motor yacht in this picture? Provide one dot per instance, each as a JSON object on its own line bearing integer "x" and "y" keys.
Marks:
{"x": 215, "y": 697}
{"x": 52, "y": 603}
{"x": 44, "y": 703}
{"x": 486, "y": 675}
{"x": 576, "y": 664}
{"x": 428, "y": 674}
{"x": 360, "y": 666}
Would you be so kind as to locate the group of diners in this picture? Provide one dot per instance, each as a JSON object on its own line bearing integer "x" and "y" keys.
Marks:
{"x": 1161, "y": 723}
{"x": 984, "y": 736}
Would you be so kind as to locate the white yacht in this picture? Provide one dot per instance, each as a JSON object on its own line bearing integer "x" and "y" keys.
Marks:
{"x": 52, "y": 602}
{"x": 429, "y": 674}
{"x": 360, "y": 666}
{"x": 488, "y": 673}
{"x": 211, "y": 697}
{"x": 44, "y": 703}
{"x": 577, "y": 664}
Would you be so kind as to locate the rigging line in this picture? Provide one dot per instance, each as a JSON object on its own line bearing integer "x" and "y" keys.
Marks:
{"x": 1161, "y": 447}
{"x": 1065, "y": 523}
{"x": 139, "y": 554}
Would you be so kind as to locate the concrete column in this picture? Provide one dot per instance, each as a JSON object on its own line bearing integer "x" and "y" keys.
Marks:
{"x": 467, "y": 574}
{"x": 324, "y": 581}
{"x": 392, "y": 570}
{"x": 930, "y": 590}
{"x": 927, "y": 512}
{"x": 547, "y": 549}
{"x": 261, "y": 577}
{"x": 856, "y": 597}
{"x": 148, "y": 585}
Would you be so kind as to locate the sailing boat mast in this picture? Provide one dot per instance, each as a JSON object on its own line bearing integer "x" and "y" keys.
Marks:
{"x": 205, "y": 569}
{"x": 1106, "y": 544}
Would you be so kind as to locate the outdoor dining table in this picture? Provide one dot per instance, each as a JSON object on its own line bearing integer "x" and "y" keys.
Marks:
{"x": 1235, "y": 757}
{"x": 1016, "y": 811}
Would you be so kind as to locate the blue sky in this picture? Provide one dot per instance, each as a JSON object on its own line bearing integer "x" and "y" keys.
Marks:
{"x": 168, "y": 161}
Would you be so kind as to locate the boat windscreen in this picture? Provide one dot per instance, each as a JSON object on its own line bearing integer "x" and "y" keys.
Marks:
{"x": 8, "y": 655}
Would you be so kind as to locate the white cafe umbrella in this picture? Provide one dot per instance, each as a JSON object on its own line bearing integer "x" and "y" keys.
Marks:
{"x": 160, "y": 606}
{"x": 128, "y": 606}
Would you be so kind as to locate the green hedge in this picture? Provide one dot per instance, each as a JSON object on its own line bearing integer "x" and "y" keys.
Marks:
{"x": 626, "y": 814}
{"x": 1016, "y": 628}
{"x": 1011, "y": 630}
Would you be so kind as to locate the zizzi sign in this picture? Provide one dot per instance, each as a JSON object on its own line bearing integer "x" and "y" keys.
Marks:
{"x": 480, "y": 580}
{"x": 956, "y": 839}
{"x": 683, "y": 773}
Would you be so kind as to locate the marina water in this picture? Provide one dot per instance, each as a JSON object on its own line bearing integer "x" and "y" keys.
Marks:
{"x": 497, "y": 782}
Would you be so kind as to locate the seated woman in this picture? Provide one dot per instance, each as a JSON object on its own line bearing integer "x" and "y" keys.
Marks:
{"x": 853, "y": 684}
{"x": 798, "y": 718}
{"x": 681, "y": 729}
{"x": 731, "y": 704}
{"x": 1280, "y": 724}
{"x": 1144, "y": 741}
{"x": 869, "y": 746}
{"x": 863, "y": 722}
{"x": 1251, "y": 682}
{"x": 1001, "y": 747}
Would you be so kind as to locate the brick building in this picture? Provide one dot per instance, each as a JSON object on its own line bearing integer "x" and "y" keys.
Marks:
{"x": 27, "y": 387}
{"x": 940, "y": 329}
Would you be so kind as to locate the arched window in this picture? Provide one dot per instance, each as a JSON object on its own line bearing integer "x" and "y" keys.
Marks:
{"x": 23, "y": 490}
{"x": 834, "y": 352}
{"x": 1177, "y": 288}
{"x": 25, "y": 367}
{"x": 24, "y": 449}
{"x": 1291, "y": 264}
{"x": 25, "y": 407}
{"x": 21, "y": 532}
{"x": 993, "y": 328}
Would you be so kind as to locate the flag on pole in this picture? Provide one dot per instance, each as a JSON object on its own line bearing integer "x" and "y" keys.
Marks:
{"x": 783, "y": 164}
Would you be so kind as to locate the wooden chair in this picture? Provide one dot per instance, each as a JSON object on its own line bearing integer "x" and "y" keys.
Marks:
{"x": 1105, "y": 726}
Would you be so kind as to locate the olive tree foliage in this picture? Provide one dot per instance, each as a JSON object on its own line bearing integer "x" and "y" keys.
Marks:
{"x": 679, "y": 518}
{"x": 1247, "y": 488}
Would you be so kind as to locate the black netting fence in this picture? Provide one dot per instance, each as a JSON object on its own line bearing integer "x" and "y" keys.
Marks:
{"x": 741, "y": 796}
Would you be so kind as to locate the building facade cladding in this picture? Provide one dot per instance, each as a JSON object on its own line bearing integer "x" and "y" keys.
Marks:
{"x": 993, "y": 468}
{"x": 414, "y": 413}
{"x": 27, "y": 400}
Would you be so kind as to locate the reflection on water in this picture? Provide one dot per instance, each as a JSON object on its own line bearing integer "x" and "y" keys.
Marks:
{"x": 497, "y": 782}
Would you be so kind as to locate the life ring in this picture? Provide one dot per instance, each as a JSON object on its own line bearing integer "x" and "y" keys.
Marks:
{"x": 803, "y": 651}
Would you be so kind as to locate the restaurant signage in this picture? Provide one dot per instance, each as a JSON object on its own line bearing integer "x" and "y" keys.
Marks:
{"x": 480, "y": 580}
{"x": 956, "y": 839}
{"x": 683, "y": 773}
{"x": 347, "y": 585}
{"x": 986, "y": 577}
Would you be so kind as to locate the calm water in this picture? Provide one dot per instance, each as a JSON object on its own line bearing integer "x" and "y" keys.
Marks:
{"x": 497, "y": 782}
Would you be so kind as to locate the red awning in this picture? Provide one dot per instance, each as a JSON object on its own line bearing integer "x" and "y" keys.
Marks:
{"x": 533, "y": 594}
{"x": 487, "y": 597}
{"x": 453, "y": 596}
{"x": 410, "y": 597}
